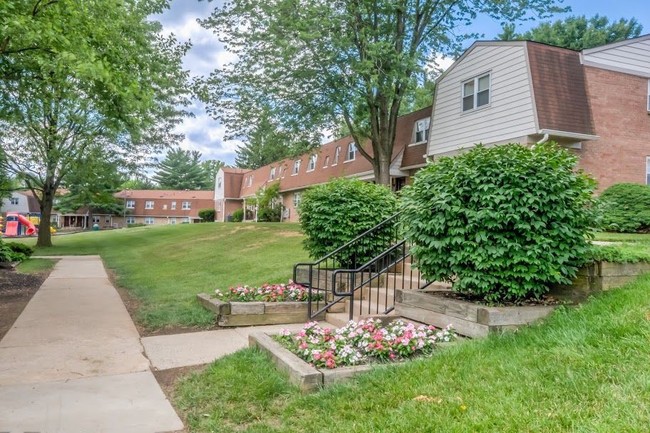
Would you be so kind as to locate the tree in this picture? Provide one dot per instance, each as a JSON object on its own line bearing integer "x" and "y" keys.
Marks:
{"x": 75, "y": 77}
{"x": 181, "y": 169}
{"x": 210, "y": 169}
{"x": 319, "y": 61}
{"x": 92, "y": 184}
{"x": 578, "y": 32}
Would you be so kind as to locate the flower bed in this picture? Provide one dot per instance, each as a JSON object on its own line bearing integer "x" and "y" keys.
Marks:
{"x": 290, "y": 292}
{"x": 363, "y": 342}
{"x": 270, "y": 304}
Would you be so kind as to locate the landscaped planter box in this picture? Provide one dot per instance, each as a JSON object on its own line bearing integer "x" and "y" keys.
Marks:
{"x": 230, "y": 313}
{"x": 467, "y": 318}
{"x": 307, "y": 378}
{"x": 599, "y": 276}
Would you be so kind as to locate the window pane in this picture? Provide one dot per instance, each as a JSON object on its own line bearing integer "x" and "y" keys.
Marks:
{"x": 468, "y": 88}
{"x": 468, "y": 102}
{"x": 483, "y": 98}
{"x": 484, "y": 83}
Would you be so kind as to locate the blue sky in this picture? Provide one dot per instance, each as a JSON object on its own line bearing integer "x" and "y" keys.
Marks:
{"x": 207, "y": 135}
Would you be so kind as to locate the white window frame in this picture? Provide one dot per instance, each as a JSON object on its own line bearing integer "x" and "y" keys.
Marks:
{"x": 297, "y": 198}
{"x": 648, "y": 96}
{"x": 311, "y": 166}
{"x": 219, "y": 183}
{"x": 149, "y": 221}
{"x": 351, "y": 154}
{"x": 149, "y": 204}
{"x": 187, "y": 220}
{"x": 296, "y": 167}
{"x": 14, "y": 201}
{"x": 173, "y": 207}
{"x": 475, "y": 92}
{"x": 647, "y": 170}
{"x": 186, "y": 205}
{"x": 272, "y": 174}
{"x": 422, "y": 127}
{"x": 327, "y": 161}
{"x": 130, "y": 220}
{"x": 130, "y": 204}
{"x": 172, "y": 220}
{"x": 337, "y": 154}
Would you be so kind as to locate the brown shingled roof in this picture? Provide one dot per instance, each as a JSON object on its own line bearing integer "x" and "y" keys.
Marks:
{"x": 559, "y": 88}
{"x": 415, "y": 156}
{"x": 165, "y": 194}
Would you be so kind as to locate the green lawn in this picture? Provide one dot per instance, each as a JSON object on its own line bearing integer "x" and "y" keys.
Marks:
{"x": 35, "y": 266}
{"x": 583, "y": 370}
{"x": 166, "y": 266}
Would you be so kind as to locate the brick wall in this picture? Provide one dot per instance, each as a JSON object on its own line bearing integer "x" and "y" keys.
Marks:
{"x": 621, "y": 119}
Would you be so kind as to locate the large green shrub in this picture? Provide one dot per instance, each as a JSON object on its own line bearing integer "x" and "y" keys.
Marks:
{"x": 237, "y": 216}
{"x": 502, "y": 223}
{"x": 14, "y": 252}
{"x": 626, "y": 208}
{"x": 207, "y": 215}
{"x": 269, "y": 206}
{"x": 336, "y": 212}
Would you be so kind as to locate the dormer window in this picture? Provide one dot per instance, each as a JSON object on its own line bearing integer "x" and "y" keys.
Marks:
{"x": 218, "y": 183}
{"x": 272, "y": 174}
{"x": 296, "y": 167}
{"x": 312, "y": 162}
{"x": 352, "y": 152}
{"x": 249, "y": 180}
{"x": 476, "y": 92}
{"x": 422, "y": 130}
{"x": 327, "y": 161}
{"x": 337, "y": 153}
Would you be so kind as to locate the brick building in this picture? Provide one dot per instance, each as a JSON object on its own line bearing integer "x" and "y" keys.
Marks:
{"x": 338, "y": 158}
{"x": 163, "y": 206}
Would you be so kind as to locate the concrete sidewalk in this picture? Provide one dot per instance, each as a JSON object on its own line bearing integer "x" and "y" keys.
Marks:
{"x": 73, "y": 361}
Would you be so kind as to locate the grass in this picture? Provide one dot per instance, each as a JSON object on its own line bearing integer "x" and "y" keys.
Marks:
{"x": 165, "y": 267}
{"x": 583, "y": 370}
{"x": 622, "y": 237}
{"x": 35, "y": 266}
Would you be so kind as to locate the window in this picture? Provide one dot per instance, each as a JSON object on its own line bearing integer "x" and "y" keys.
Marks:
{"x": 218, "y": 183}
{"x": 164, "y": 207}
{"x": 130, "y": 220}
{"x": 130, "y": 204}
{"x": 173, "y": 205}
{"x": 327, "y": 161}
{"x": 95, "y": 219}
{"x": 422, "y": 130}
{"x": 272, "y": 175}
{"x": 648, "y": 96}
{"x": 337, "y": 152}
{"x": 476, "y": 92}
{"x": 149, "y": 220}
{"x": 312, "y": 163}
{"x": 296, "y": 167}
{"x": 186, "y": 220}
{"x": 249, "y": 180}
{"x": 647, "y": 170}
{"x": 352, "y": 152}
{"x": 296, "y": 198}
{"x": 172, "y": 220}
{"x": 14, "y": 200}
{"x": 187, "y": 205}
{"x": 148, "y": 204}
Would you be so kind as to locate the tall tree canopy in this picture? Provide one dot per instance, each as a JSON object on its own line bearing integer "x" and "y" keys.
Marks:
{"x": 84, "y": 78}
{"x": 319, "y": 61}
{"x": 577, "y": 32}
{"x": 183, "y": 169}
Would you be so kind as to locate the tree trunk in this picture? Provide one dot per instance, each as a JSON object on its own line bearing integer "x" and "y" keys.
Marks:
{"x": 46, "y": 202}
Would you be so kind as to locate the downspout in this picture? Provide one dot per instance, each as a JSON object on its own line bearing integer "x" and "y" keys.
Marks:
{"x": 542, "y": 141}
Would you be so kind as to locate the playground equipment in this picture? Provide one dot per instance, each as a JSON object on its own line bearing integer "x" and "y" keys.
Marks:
{"x": 14, "y": 223}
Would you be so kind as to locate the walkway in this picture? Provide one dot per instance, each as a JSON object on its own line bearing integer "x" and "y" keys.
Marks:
{"x": 73, "y": 361}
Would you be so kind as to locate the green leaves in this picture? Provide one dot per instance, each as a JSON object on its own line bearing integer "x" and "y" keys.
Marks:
{"x": 336, "y": 212}
{"x": 626, "y": 208}
{"x": 503, "y": 223}
{"x": 183, "y": 169}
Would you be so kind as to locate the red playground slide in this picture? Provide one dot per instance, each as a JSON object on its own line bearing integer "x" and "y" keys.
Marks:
{"x": 12, "y": 225}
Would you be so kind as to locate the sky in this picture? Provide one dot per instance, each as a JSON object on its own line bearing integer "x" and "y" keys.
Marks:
{"x": 206, "y": 135}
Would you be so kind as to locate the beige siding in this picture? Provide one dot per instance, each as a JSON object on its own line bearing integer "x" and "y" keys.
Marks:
{"x": 510, "y": 113}
{"x": 632, "y": 57}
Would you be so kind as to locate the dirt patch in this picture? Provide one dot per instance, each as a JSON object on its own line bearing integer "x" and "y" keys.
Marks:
{"x": 290, "y": 234}
{"x": 168, "y": 379}
{"x": 16, "y": 290}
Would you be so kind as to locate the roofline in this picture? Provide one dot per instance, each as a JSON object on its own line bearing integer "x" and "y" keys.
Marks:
{"x": 617, "y": 44}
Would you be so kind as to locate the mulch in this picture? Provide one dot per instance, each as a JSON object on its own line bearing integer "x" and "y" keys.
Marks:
{"x": 16, "y": 290}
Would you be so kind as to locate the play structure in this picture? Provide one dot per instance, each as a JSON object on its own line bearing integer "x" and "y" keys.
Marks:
{"x": 16, "y": 224}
